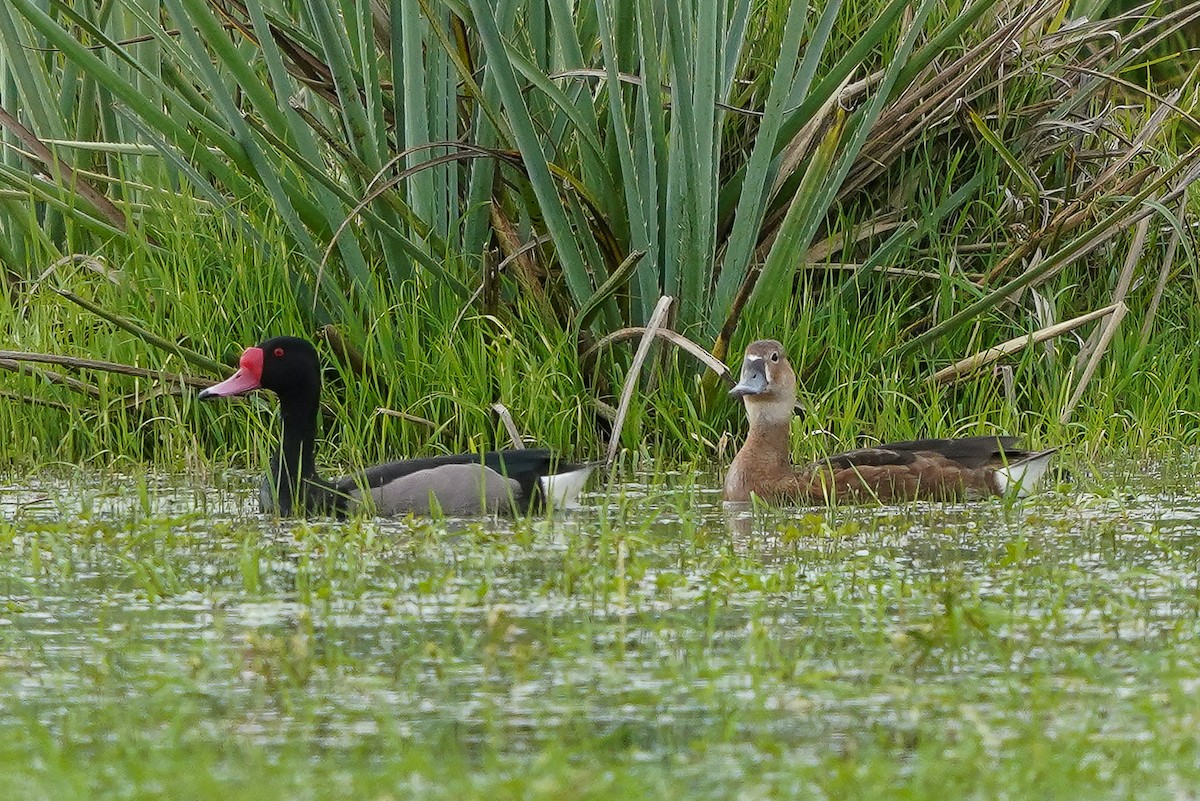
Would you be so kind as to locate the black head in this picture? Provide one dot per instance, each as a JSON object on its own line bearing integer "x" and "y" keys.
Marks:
{"x": 288, "y": 366}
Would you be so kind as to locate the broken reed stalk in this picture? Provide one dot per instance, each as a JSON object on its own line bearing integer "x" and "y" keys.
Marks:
{"x": 106, "y": 367}
{"x": 1136, "y": 249}
{"x": 412, "y": 418}
{"x": 1163, "y": 274}
{"x": 652, "y": 327}
{"x": 1124, "y": 281}
{"x": 678, "y": 340}
{"x": 150, "y": 338}
{"x": 63, "y": 174}
{"x": 513, "y": 432}
{"x": 50, "y": 376}
{"x": 962, "y": 368}
{"x": 1110, "y": 330}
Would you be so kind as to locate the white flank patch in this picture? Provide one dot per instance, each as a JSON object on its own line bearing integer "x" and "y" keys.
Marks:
{"x": 562, "y": 489}
{"x": 1022, "y": 477}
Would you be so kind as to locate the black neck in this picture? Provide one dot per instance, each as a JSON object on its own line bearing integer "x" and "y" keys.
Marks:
{"x": 295, "y": 465}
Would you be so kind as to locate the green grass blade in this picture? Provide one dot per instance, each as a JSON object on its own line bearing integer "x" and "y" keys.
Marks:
{"x": 187, "y": 354}
{"x": 800, "y": 222}
{"x": 524, "y": 132}
{"x": 759, "y": 175}
{"x": 609, "y": 288}
{"x": 817, "y": 191}
{"x": 651, "y": 161}
{"x": 638, "y": 183}
{"x": 30, "y": 78}
{"x": 1032, "y": 188}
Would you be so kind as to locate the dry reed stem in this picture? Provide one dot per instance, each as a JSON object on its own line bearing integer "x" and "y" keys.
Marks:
{"x": 1163, "y": 273}
{"x": 936, "y": 98}
{"x": 50, "y": 376}
{"x": 795, "y": 151}
{"x": 106, "y": 367}
{"x": 961, "y": 368}
{"x": 506, "y": 417}
{"x": 657, "y": 318}
{"x": 1124, "y": 280}
{"x": 412, "y": 418}
{"x": 678, "y": 340}
{"x": 881, "y": 269}
{"x": 1110, "y": 330}
{"x": 824, "y": 250}
{"x": 64, "y": 175}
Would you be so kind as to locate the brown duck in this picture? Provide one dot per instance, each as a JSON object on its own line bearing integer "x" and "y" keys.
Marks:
{"x": 926, "y": 469}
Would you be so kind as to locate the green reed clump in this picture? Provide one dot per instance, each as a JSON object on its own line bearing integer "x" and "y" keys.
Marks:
{"x": 444, "y": 364}
{"x": 887, "y": 187}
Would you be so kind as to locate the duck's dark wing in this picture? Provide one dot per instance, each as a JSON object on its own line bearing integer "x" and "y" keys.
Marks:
{"x": 468, "y": 483}
{"x": 968, "y": 452}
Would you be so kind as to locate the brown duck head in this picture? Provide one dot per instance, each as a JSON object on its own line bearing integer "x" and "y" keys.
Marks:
{"x": 767, "y": 384}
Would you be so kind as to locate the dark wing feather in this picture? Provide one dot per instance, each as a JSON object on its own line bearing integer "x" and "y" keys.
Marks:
{"x": 869, "y": 457}
{"x": 969, "y": 452}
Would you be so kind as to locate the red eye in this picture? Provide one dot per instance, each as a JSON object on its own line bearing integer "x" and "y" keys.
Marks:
{"x": 278, "y": 352}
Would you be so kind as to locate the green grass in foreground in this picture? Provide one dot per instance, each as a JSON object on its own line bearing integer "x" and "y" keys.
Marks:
{"x": 157, "y": 641}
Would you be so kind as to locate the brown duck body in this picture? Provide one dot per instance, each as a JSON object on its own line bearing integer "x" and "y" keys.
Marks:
{"x": 930, "y": 469}
{"x": 967, "y": 468}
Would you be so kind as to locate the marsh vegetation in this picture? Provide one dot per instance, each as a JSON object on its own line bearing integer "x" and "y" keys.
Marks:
{"x": 470, "y": 201}
{"x": 475, "y": 202}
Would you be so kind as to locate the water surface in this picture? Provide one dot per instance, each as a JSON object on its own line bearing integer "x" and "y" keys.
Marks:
{"x": 158, "y": 633}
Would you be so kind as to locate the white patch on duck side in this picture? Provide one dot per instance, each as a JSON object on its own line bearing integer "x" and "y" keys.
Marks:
{"x": 1021, "y": 477}
{"x": 456, "y": 489}
{"x": 562, "y": 489}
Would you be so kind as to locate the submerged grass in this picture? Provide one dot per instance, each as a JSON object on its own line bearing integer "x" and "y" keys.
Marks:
{"x": 158, "y": 640}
